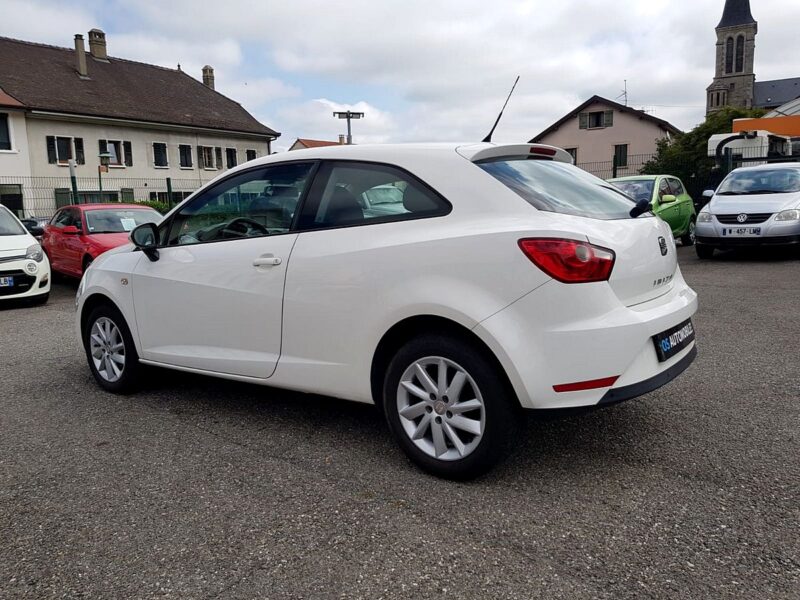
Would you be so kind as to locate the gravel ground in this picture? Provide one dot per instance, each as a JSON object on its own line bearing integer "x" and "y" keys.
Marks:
{"x": 199, "y": 488}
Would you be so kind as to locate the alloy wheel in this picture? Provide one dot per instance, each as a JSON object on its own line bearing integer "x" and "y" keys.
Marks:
{"x": 441, "y": 408}
{"x": 107, "y": 349}
{"x": 692, "y": 232}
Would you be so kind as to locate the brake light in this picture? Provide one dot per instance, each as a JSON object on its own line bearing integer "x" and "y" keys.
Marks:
{"x": 569, "y": 261}
{"x": 543, "y": 151}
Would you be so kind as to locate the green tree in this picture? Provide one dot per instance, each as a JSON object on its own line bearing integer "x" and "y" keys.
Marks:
{"x": 685, "y": 155}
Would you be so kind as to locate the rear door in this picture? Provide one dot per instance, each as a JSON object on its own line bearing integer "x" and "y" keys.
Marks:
{"x": 52, "y": 239}
{"x": 669, "y": 211}
{"x": 73, "y": 246}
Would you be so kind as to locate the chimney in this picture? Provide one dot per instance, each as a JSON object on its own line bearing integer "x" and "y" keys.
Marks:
{"x": 342, "y": 139}
{"x": 80, "y": 56}
{"x": 97, "y": 44}
{"x": 208, "y": 76}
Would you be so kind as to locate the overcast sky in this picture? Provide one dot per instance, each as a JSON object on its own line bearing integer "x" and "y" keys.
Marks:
{"x": 424, "y": 70}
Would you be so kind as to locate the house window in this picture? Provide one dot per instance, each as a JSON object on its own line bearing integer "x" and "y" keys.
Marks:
{"x": 596, "y": 119}
{"x": 250, "y": 154}
{"x": 121, "y": 152}
{"x": 573, "y": 152}
{"x": 185, "y": 151}
{"x": 160, "y": 159}
{"x": 621, "y": 155}
{"x": 127, "y": 195}
{"x": 61, "y": 149}
{"x": 5, "y": 133}
{"x": 11, "y": 198}
{"x": 729, "y": 55}
{"x": 206, "y": 157}
{"x": 230, "y": 158}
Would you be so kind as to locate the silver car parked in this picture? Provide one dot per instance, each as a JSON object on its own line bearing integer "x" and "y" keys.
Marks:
{"x": 753, "y": 206}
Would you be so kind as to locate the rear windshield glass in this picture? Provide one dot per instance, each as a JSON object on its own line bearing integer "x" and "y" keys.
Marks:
{"x": 761, "y": 181}
{"x": 8, "y": 224}
{"x": 119, "y": 220}
{"x": 560, "y": 187}
{"x": 638, "y": 189}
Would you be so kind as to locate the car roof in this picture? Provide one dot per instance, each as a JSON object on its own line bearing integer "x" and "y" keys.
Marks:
{"x": 107, "y": 205}
{"x": 770, "y": 167}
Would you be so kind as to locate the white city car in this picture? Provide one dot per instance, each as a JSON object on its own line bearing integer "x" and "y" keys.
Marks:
{"x": 451, "y": 285}
{"x": 24, "y": 268}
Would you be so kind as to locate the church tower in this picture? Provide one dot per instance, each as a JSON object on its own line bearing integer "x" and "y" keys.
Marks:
{"x": 734, "y": 79}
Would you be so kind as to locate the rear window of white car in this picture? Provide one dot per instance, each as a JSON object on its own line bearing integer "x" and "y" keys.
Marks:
{"x": 560, "y": 187}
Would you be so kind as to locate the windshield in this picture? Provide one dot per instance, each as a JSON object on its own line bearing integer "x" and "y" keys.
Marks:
{"x": 560, "y": 187}
{"x": 638, "y": 189}
{"x": 761, "y": 181}
{"x": 8, "y": 224}
{"x": 119, "y": 220}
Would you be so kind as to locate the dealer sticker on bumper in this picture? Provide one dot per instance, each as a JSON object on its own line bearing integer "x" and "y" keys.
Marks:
{"x": 672, "y": 341}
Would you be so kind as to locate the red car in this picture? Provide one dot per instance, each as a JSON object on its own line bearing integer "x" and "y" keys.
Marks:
{"x": 78, "y": 234}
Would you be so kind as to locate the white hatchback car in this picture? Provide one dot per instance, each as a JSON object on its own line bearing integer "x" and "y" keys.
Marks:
{"x": 500, "y": 277}
{"x": 24, "y": 268}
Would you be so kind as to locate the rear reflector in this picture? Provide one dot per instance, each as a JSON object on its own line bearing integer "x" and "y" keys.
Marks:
{"x": 586, "y": 385}
{"x": 569, "y": 261}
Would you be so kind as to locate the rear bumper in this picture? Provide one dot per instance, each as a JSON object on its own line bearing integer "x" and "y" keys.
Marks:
{"x": 562, "y": 334}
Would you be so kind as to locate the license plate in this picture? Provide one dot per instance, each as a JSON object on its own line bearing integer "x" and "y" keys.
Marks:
{"x": 742, "y": 231}
{"x": 672, "y": 341}
{"x": 6, "y": 282}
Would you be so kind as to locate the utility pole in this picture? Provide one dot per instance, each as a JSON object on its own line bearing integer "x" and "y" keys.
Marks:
{"x": 349, "y": 115}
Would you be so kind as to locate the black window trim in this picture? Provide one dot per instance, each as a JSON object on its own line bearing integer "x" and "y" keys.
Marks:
{"x": 309, "y": 210}
{"x": 166, "y": 224}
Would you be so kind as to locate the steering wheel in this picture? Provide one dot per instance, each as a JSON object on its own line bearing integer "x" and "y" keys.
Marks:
{"x": 232, "y": 228}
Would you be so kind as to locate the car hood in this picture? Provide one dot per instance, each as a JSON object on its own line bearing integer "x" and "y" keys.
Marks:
{"x": 14, "y": 245}
{"x": 760, "y": 203}
{"x": 107, "y": 241}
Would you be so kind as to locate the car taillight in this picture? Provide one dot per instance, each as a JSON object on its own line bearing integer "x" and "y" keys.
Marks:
{"x": 569, "y": 261}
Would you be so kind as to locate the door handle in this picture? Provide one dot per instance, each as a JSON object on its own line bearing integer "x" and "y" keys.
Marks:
{"x": 267, "y": 261}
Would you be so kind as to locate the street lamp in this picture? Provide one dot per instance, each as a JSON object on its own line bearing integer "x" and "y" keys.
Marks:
{"x": 105, "y": 159}
{"x": 349, "y": 115}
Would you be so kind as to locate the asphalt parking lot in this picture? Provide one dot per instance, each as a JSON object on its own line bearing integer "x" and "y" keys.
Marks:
{"x": 198, "y": 488}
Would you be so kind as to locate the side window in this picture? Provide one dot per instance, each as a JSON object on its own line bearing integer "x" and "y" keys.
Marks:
{"x": 362, "y": 193}
{"x": 663, "y": 189}
{"x": 63, "y": 218}
{"x": 677, "y": 187}
{"x": 251, "y": 204}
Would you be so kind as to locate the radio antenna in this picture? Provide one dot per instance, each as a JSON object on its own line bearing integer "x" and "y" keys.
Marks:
{"x": 488, "y": 138}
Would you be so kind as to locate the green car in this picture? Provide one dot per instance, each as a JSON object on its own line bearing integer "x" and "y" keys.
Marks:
{"x": 669, "y": 199}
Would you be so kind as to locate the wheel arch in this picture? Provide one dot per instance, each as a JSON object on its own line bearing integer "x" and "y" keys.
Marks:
{"x": 93, "y": 301}
{"x": 410, "y": 327}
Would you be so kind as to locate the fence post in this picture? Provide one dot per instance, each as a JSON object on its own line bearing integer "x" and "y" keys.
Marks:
{"x": 74, "y": 181}
{"x": 169, "y": 191}
{"x": 614, "y": 166}
{"x": 728, "y": 160}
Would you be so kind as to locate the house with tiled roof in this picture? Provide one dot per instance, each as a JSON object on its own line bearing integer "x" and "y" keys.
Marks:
{"x": 303, "y": 143}
{"x": 79, "y": 107}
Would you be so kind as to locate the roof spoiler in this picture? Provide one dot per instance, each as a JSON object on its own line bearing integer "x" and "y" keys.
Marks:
{"x": 479, "y": 152}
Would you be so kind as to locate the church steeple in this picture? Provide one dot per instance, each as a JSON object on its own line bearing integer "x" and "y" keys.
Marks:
{"x": 737, "y": 12}
{"x": 734, "y": 79}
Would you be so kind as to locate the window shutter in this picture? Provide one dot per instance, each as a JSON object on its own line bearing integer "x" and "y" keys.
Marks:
{"x": 201, "y": 160}
{"x": 128, "y": 151}
{"x": 103, "y": 144}
{"x": 609, "y": 118}
{"x": 51, "y": 149}
{"x": 80, "y": 157}
{"x": 583, "y": 121}
{"x": 218, "y": 157}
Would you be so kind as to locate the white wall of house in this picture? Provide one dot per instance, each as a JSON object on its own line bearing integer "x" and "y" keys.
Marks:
{"x": 596, "y": 145}
{"x": 141, "y": 180}
{"x": 15, "y": 162}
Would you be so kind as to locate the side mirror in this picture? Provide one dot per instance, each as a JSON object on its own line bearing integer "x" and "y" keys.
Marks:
{"x": 70, "y": 230}
{"x": 667, "y": 198}
{"x": 708, "y": 194}
{"x": 34, "y": 228}
{"x": 145, "y": 238}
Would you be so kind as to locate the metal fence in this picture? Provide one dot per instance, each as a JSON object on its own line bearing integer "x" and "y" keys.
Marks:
{"x": 631, "y": 165}
{"x": 39, "y": 197}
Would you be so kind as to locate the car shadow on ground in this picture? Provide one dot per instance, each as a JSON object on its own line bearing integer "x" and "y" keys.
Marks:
{"x": 320, "y": 424}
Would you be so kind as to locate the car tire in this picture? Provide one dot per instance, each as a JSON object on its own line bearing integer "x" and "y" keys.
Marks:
{"x": 689, "y": 238}
{"x": 110, "y": 350}
{"x": 457, "y": 437}
{"x": 703, "y": 251}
